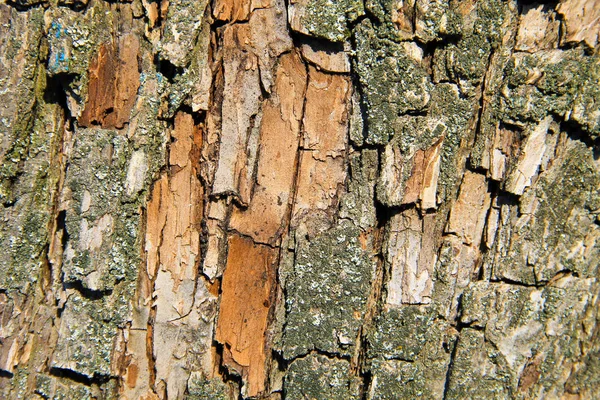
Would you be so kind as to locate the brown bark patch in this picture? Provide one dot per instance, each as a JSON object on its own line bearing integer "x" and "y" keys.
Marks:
{"x": 530, "y": 375}
{"x": 114, "y": 78}
{"x": 279, "y": 139}
{"x": 245, "y": 303}
{"x": 422, "y": 184}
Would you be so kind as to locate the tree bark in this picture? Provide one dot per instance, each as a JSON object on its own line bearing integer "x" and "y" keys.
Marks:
{"x": 299, "y": 200}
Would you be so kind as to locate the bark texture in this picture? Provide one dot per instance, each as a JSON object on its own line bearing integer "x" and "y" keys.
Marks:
{"x": 299, "y": 200}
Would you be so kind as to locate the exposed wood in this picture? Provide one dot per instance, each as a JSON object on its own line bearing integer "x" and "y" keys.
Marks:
{"x": 306, "y": 199}
{"x": 324, "y": 147}
{"x": 245, "y": 303}
{"x": 277, "y": 162}
{"x": 114, "y": 81}
{"x": 581, "y": 20}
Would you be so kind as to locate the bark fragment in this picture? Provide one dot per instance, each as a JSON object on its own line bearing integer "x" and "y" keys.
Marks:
{"x": 244, "y": 309}
{"x": 113, "y": 83}
{"x": 581, "y": 20}
{"x": 278, "y": 145}
{"x": 422, "y": 224}
{"x": 323, "y": 150}
{"x": 411, "y": 256}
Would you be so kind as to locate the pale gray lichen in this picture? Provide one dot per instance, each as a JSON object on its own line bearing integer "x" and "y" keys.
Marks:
{"x": 515, "y": 326}
{"x": 201, "y": 388}
{"x": 73, "y": 39}
{"x": 478, "y": 369}
{"x": 85, "y": 337}
{"x": 50, "y": 387}
{"x": 358, "y": 203}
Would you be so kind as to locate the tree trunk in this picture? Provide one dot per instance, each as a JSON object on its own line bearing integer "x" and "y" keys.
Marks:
{"x": 301, "y": 200}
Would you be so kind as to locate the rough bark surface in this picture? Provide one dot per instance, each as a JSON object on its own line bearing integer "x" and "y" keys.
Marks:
{"x": 299, "y": 200}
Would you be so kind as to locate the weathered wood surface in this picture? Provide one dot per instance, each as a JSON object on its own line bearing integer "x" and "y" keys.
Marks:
{"x": 303, "y": 199}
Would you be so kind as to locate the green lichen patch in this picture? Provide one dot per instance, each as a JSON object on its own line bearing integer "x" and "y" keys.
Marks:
{"x": 24, "y": 227}
{"x": 326, "y": 19}
{"x": 86, "y": 337}
{"x": 556, "y": 82}
{"x": 424, "y": 375}
{"x": 73, "y": 39}
{"x": 201, "y": 388}
{"x": 466, "y": 60}
{"x": 319, "y": 377}
{"x": 425, "y": 20}
{"x": 180, "y": 31}
{"x": 560, "y": 233}
{"x": 447, "y": 120}
{"x": 400, "y": 333}
{"x": 193, "y": 86}
{"x": 21, "y": 86}
{"x": 52, "y": 388}
{"x": 392, "y": 83}
{"x": 478, "y": 370}
{"x": 435, "y": 20}
{"x": 326, "y": 293}
{"x": 358, "y": 203}
{"x": 521, "y": 326}
{"x": 102, "y": 235}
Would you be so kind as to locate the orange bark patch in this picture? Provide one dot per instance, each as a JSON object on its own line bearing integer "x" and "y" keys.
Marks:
{"x": 422, "y": 184}
{"x": 323, "y": 160}
{"x": 132, "y": 374}
{"x": 114, "y": 80}
{"x": 279, "y": 136}
{"x": 230, "y": 10}
{"x": 245, "y": 303}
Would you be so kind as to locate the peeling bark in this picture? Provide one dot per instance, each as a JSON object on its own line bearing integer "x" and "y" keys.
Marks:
{"x": 304, "y": 199}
